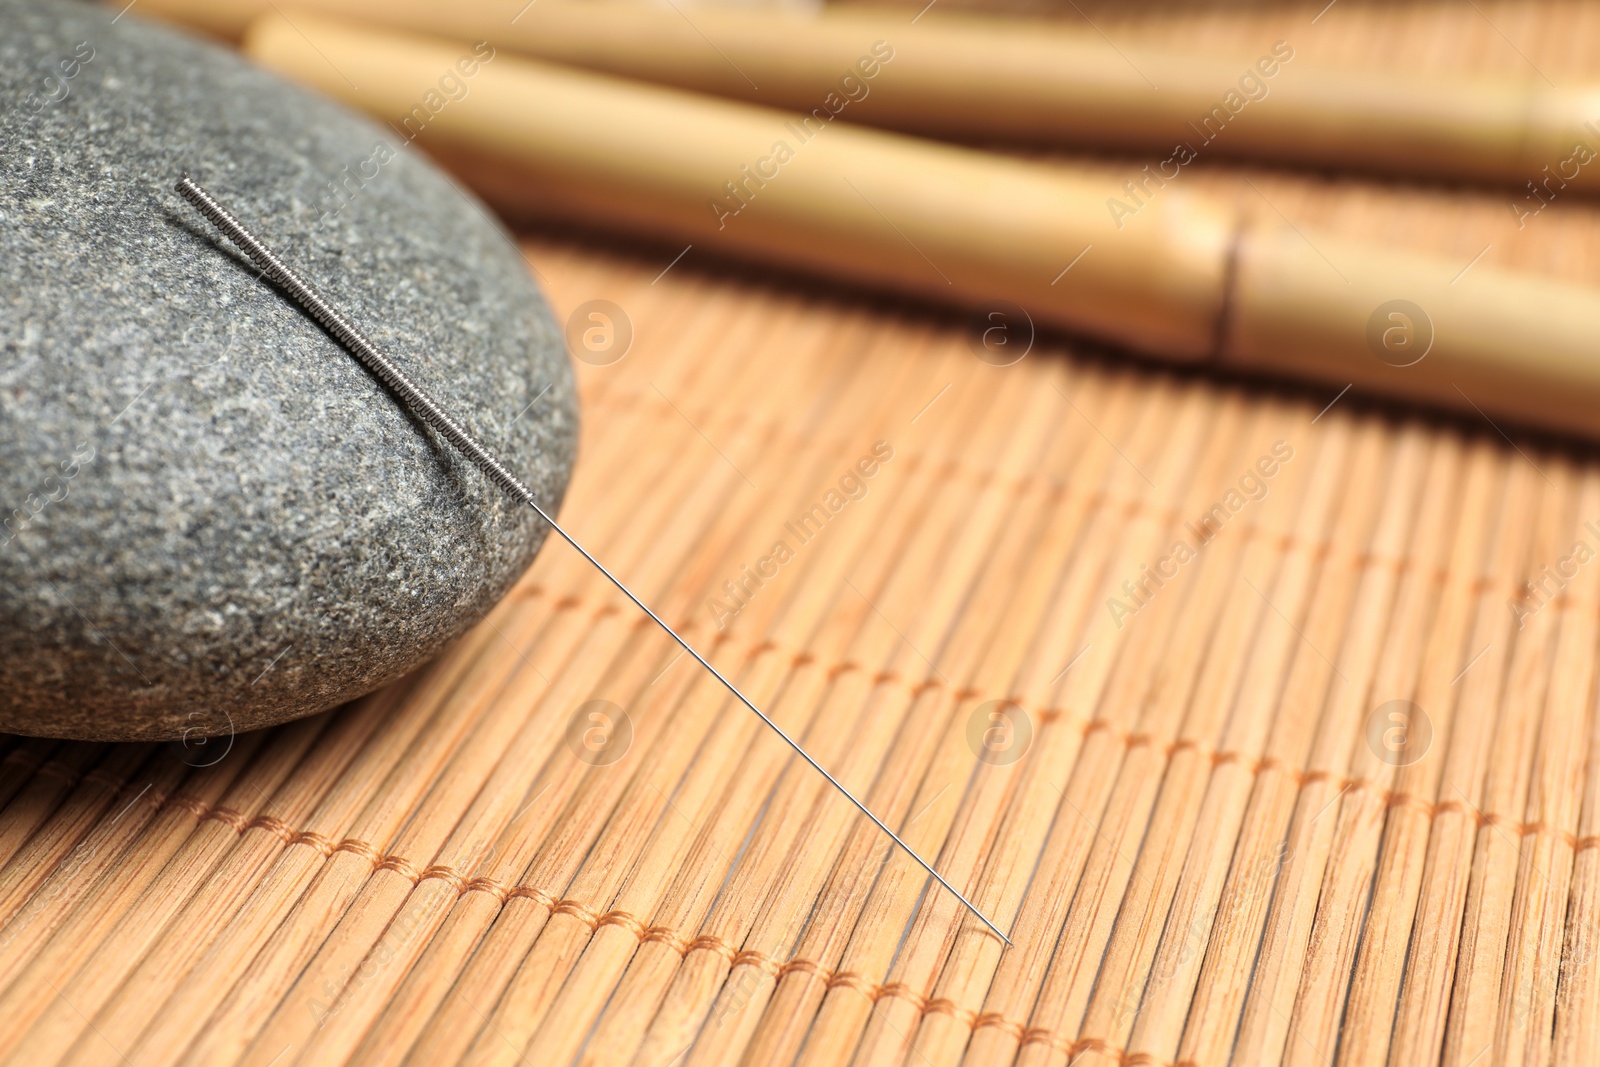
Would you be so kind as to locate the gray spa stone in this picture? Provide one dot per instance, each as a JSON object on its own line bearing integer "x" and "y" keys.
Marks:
{"x": 213, "y": 518}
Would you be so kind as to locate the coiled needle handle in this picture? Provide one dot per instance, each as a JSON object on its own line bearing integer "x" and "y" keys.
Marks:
{"x": 417, "y": 399}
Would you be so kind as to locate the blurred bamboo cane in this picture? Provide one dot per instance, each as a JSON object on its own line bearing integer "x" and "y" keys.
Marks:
{"x": 1185, "y": 277}
{"x": 978, "y": 77}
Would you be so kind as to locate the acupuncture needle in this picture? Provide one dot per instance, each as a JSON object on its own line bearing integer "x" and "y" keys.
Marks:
{"x": 425, "y": 407}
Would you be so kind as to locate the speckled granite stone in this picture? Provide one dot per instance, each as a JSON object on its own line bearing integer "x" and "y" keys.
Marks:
{"x": 214, "y": 519}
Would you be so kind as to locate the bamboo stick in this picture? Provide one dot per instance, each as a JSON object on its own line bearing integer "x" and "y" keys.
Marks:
{"x": 1035, "y": 81}
{"x": 1145, "y": 954}
{"x": 523, "y": 917}
{"x": 204, "y": 916}
{"x": 990, "y": 654}
{"x": 733, "y": 340}
{"x": 1364, "y": 818}
{"x": 691, "y": 998}
{"x": 1425, "y": 997}
{"x": 1312, "y": 828}
{"x": 852, "y": 613}
{"x": 1164, "y": 655}
{"x": 672, "y": 999}
{"x": 562, "y": 933}
{"x": 139, "y": 926}
{"x": 37, "y": 987}
{"x": 1396, "y": 844}
{"x": 36, "y": 791}
{"x": 556, "y": 1027}
{"x": 1539, "y": 915}
{"x": 61, "y": 837}
{"x": 1108, "y": 762}
{"x": 24, "y": 756}
{"x": 1167, "y": 272}
{"x": 1234, "y": 707}
{"x": 796, "y": 994}
{"x": 1578, "y": 993}
{"x": 844, "y": 1019}
{"x": 1316, "y": 593}
{"x": 1476, "y": 1001}
{"x": 1033, "y": 672}
{"x": 1254, "y": 853}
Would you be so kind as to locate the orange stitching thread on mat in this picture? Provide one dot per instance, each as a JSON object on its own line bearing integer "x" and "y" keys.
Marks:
{"x": 665, "y": 935}
{"x": 484, "y": 885}
{"x": 289, "y": 835}
{"x": 408, "y": 872}
{"x": 533, "y": 893}
{"x": 380, "y": 861}
{"x": 945, "y": 1006}
{"x": 772, "y": 967}
{"x": 761, "y": 961}
{"x": 1073, "y": 1049}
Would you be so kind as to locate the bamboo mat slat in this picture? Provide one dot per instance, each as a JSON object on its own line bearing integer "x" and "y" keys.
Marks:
{"x": 1205, "y": 852}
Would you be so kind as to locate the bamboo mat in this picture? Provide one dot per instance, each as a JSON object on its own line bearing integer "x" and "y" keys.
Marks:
{"x": 1191, "y": 809}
